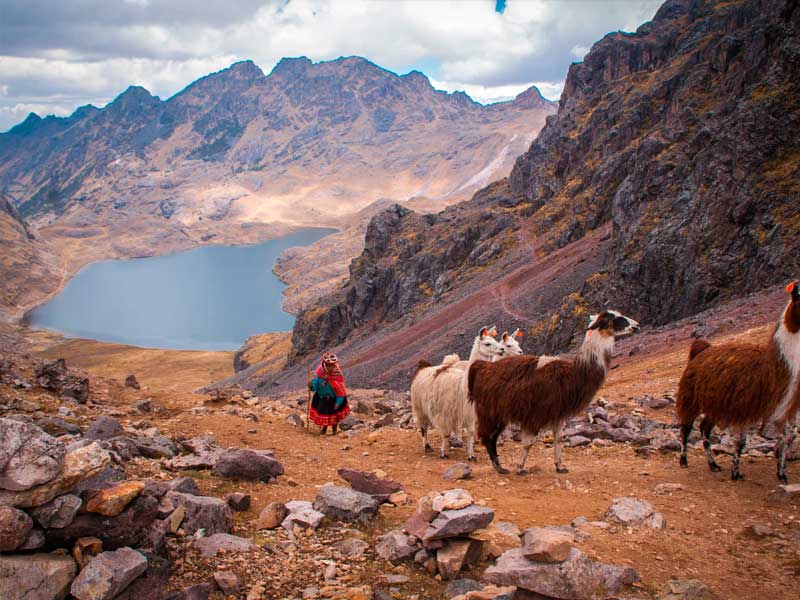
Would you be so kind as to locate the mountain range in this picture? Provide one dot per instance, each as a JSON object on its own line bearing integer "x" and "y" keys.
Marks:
{"x": 238, "y": 155}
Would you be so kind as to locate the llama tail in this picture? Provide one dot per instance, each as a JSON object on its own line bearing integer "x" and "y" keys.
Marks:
{"x": 697, "y": 347}
{"x": 420, "y": 365}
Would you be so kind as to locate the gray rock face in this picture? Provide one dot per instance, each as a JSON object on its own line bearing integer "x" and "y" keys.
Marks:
{"x": 223, "y": 542}
{"x": 396, "y": 545}
{"x": 15, "y": 526}
{"x": 104, "y": 428}
{"x": 634, "y": 512}
{"x": 36, "y": 576}
{"x": 452, "y": 523}
{"x": 247, "y": 464}
{"x": 203, "y": 512}
{"x": 577, "y": 578}
{"x": 345, "y": 504}
{"x": 108, "y": 574}
{"x": 28, "y": 456}
{"x": 301, "y": 513}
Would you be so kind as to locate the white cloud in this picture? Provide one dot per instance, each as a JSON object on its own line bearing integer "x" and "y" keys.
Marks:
{"x": 487, "y": 94}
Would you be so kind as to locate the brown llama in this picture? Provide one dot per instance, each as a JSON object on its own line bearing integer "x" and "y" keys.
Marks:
{"x": 542, "y": 392}
{"x": 743, "y": 385}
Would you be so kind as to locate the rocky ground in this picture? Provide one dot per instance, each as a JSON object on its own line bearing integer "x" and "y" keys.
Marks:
{"x": 157, "y": 491}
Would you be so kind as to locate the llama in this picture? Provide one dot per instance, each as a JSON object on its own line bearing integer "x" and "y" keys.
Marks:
{"x": 742, "y": 385}
{"x": 542, "y": 392}
{"x": 510, "y": 345}
{"x": 436, "y": 395}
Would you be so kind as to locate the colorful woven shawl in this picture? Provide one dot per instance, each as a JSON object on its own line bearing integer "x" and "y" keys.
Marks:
{"x": 332, "y": 373}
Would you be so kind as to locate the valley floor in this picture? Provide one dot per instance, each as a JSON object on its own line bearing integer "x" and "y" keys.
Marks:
{"x": 708, "y": 519}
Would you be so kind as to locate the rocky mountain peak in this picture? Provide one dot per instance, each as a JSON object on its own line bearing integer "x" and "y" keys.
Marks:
{"x": 30, "y": 122}
{"x": 531, "y": 98}
{"x": 291, "y": 67}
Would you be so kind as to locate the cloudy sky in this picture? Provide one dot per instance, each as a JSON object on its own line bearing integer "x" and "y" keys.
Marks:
{"x": 56, "y": 55}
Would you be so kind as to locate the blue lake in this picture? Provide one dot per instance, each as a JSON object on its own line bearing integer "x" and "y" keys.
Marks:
{"x": 210, "y": 298}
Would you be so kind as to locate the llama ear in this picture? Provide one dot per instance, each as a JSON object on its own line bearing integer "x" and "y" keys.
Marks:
{"x": 593, "y": 321}
{"x": 505, "y": 336}
{"x": 484, "y": 332}
{"x": 517, "y": 333}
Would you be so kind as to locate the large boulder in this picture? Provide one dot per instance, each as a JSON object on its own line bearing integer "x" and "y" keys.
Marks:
{"x": 108, "y": 574}
{"x": 36, "y": 576}
{"x": 453, "y": 523}
{"x": 202, "y": 512}
{"x": 345, "y": 504}
{"x": 15, "y": 526}
{"x": 54, "y": 375}
{"x": 577, "y": 578}
{"x": 247, "y": 464}
{"x": 28, "y": 456}
{"x": 369, "y": 483}
{"x": 78, "y": 465}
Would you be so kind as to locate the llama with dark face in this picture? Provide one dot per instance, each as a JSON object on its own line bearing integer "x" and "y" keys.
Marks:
{"x": 542, "y": 392}
{"x": 743, "y": 385}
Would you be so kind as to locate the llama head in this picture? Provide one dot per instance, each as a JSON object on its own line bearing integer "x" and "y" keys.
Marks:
{"x": 612, "y": 323}
{"x": 486, "y": 346}
{"x": 791, "y": 317}
{"x": 510, "y": 343}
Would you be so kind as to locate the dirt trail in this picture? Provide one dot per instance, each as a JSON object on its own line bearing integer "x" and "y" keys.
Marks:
{"x": 705, "y": 538}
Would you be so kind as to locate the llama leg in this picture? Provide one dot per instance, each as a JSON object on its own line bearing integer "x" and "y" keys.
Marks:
{"x": 741, "y": 442}
{"x": 560, "y": 468}
{"x": 527, "y": 441}
{"x": 443, "y": 448}
{"x": 426, "y": 446}
{"x": 471, "y": 446}
{"x": 706, "y": 426}
{"x": 686, "y": 430}
{"x": 781, "y": 449}
{"x": 491, "y": 446}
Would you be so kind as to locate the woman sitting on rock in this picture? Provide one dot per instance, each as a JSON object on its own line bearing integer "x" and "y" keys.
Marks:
{"x": 329, "y": 405}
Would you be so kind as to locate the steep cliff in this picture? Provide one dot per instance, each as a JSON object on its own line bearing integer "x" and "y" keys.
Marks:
{"x": 680, "y": 140}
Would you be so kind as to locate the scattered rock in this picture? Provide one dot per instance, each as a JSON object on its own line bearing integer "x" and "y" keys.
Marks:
{"x": 688, "y": 589}
{"x": 784, "y": 493}
{"x": 345, "y": 504}
{"x": 634, "y": 512}
{"x": 112, "y": 501}
{"x": 108, "y": 574}
{"x": 301, "y": 513}
{"x": 457, "y": 472}
{"x": 238, "y": 501}
{"x": 28, "y": 456}
{"x": 203, "y": 512}
{"x": 452, "y": 500}
{"x": 295, "y": 419}
{"x": 759, "y": 531}
{"x": 36, "y": 576}
{"x": 395, "y": 546}
{"x": 155, "y": 447}
{"x": 131, "y": 382}
{"x": 223, "y": 542}
{"x": 151, "y": 585}
{"x": 546, "y": 545}
{"x": 143, "y": 406}
{"x": 669, "y": 488}
{"x": 104, "y": 428}
{"x": 272, "y": 516}
{"x": 247, "y": 464}
{"x": 455, "y": 555}
{"x": 69, "y": 383}
{"x": 200, "y": 591}
{"x": 227, "y": 581}
{"x": 452, "y": 523}
{"x": 15, "y": 526}
{"x": 369, "y": 483}
{"x": 34, "y": 541}
{"x": 577, "y": 578}
{"x": 185, "y": 485}
{"x": 498, "y": 537}
{"x": 459, "y": 587}
{"x": 578, "y": 441}
{"x": 351, "y": 547}
{"x": 85, "y": 549}
{"x": 56, "y": 426}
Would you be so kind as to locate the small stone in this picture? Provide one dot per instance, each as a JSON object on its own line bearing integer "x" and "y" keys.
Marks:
{"x": 395, "y": 546}
{"x": 784, "y": 493}
{"x": 498, "y": 537}
{"x": 227, "y": 581}
{"x": 85, "y": 549}
{"x": 272, "y": 516}
{"x": 345, "y": 504}
{"x": 15, "y": 526}
{"x": 452, "y": 523}
{"x": 546, "y": 545}
{"x": 398, "y": 498}
{"x": 223, "y": 542}
{"x": 104, "y": 428}
{"x": 143, "y": 406}
{"x": 669, "y": 488}
{"x": 302, "y": 514}
{"x": 578, "y": 441}
{"x": 457, "y": 472}
{"x": 373, "y": 484}
{"x": 452, "y": 500}
{"x": 351, "y": 547}
{"x": 131, "y": 382}
{"x": 247, "y": 464}
{"x": 238, "y": 501}
{"x": 29, "y": 457}
{"x": 455, "y": 555}
{"x": 689, "y": 589}
{"x": 634, "y": 512}
{"x": 460, "y": 587}
{"x": 203, "y": 512}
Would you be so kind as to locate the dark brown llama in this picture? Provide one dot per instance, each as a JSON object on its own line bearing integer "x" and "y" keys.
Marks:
{"x": 542, "y": 392}
{"x": 744, "y": 385}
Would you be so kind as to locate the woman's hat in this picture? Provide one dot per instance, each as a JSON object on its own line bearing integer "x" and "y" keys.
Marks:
{"x": 329, "y": 358}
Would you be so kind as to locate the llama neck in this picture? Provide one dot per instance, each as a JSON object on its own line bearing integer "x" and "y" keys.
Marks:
{"x": 787, "y": 345}
{"x": 475, "y": 353}
{"x": 596, "y": 352}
